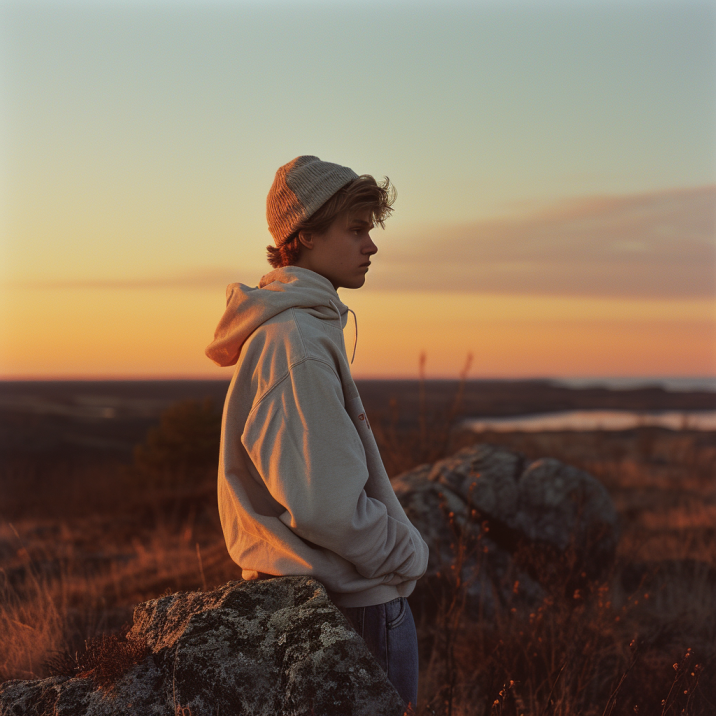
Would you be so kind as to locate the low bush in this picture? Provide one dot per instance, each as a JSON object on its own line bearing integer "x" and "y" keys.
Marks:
{"x": 185, "y": 445}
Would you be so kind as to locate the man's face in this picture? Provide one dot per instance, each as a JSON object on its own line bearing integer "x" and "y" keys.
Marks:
{"x": 342, "y": 253}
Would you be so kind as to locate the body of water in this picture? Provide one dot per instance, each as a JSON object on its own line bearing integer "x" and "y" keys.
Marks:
{"x": 672, "y": 384}
{"x": 597, "y": 420}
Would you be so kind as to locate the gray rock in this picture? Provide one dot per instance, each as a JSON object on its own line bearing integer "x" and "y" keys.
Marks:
{"x": 518, "y": 529}
{"x": 484, "y": 476}
{"x": 271, "y": 647}
{"x": 566, "y": 507}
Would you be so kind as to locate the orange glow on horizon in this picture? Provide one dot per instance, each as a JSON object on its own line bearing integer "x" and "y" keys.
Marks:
{"x": 95, "y": 333}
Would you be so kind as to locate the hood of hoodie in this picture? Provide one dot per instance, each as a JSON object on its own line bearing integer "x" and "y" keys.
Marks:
{"x": 248, "y": 307}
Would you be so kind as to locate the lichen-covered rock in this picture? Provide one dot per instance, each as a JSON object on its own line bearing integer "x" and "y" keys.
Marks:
{"x": 271, "y": 647}
{"x": 513, "y": 528}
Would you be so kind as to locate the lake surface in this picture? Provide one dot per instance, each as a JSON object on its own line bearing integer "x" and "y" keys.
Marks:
{"x": 597, "y": 420}
{"x": 91, "y": 419}
{"x": 681, "y": 383}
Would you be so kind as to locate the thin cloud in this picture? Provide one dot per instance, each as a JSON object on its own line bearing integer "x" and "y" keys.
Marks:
{"x": 658, "y": 245}
{"x": 201, "y": 278}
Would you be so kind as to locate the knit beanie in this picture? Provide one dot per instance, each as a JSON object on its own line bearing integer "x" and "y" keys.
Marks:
{"x": 299, "y": 189}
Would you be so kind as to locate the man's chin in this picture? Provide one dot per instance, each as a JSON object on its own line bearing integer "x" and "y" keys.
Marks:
{"x": 351, "y": 282}
{"x": 355, "y": 283}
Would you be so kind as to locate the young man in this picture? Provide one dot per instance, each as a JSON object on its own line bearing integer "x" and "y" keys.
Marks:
{"x": 302, "y": 488}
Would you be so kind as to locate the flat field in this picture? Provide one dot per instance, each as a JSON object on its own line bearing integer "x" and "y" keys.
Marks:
{"x": 86, "y": 532}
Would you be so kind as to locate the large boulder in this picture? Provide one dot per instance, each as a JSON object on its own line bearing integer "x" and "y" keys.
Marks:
{"x": 514, "y": 530}
{"x": 270, "y": 647}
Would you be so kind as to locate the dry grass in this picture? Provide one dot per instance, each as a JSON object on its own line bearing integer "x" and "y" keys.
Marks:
{"x": 71, "y": 572}
{"x": 63, "y": 582}
{"x": 646, "y": 648}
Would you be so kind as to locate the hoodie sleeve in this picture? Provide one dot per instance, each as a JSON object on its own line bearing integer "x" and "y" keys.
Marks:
{"x": 310, "y": 456}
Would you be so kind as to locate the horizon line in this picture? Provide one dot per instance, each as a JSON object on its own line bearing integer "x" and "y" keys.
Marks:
{"x": 185, "y": 377}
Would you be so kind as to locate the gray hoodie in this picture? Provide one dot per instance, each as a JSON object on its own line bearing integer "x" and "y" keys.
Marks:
{"x": 302, "y": 487}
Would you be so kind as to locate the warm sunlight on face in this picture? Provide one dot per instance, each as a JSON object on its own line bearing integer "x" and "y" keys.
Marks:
{"x": 342, "y": 253}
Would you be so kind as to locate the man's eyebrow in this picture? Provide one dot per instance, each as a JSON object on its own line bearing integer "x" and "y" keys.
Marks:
{"x": 361, "y": 222}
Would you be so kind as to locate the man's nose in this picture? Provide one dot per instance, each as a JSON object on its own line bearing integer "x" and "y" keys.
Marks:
{"x": 370, "y": 247}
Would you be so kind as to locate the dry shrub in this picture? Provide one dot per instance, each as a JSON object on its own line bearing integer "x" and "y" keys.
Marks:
{"x": 185, "y": 445}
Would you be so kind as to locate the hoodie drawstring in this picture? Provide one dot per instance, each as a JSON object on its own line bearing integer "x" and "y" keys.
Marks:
{"x": 340, "y": 323}
{"x": 355, "y": 344}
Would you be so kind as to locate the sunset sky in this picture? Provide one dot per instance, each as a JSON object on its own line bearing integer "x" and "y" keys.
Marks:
{"x": 555, "y": 164}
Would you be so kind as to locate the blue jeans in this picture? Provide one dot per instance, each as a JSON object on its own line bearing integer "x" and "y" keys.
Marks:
{"x": 389, "y": 633}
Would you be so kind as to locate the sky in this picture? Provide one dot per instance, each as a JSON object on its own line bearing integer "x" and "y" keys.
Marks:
{"x": 555, "y": 164}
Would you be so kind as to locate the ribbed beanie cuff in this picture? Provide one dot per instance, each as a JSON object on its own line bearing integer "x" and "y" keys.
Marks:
{"x": 299, "y": 189}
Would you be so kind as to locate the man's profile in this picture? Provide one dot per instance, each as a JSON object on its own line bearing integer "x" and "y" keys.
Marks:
{"x": 302, "y": 488}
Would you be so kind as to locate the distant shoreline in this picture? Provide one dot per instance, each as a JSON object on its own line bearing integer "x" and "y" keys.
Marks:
{"x": 671, "y": 384}
{"x": 108, "y": 418}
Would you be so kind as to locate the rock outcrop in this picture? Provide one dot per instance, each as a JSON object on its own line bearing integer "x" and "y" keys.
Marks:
{"x": 514, "y": 531}
{"x": 272, "y": 647}
{"x": 518, "y": 530}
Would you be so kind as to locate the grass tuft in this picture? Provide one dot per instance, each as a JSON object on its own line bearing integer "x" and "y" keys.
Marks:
{"x": 106, "y": 658}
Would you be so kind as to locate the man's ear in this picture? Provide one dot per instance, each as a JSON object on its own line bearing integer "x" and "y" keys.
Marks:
{"x": 306, "y": 239}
